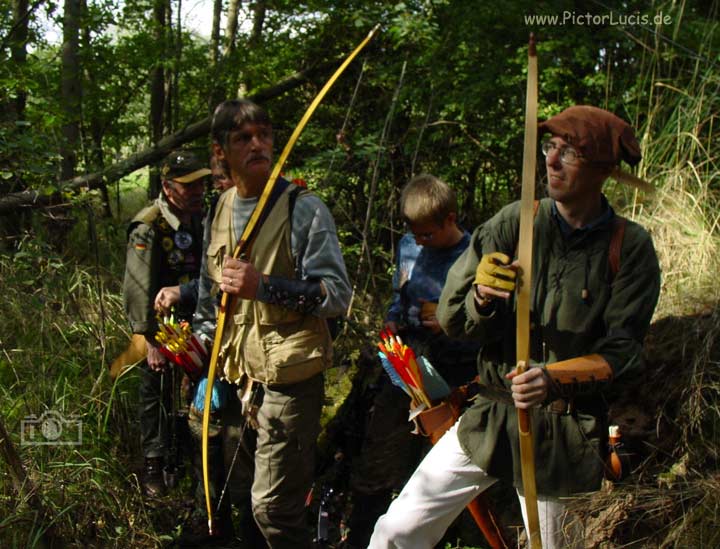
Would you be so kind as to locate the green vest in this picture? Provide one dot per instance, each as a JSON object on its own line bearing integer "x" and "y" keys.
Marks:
{"x": 268, "y": 343}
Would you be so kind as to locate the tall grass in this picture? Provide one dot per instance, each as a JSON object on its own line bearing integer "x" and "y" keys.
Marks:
{"x": 682, "y": 160}
{"x": 52, "y": 352}
{"x": 672, "y": 500}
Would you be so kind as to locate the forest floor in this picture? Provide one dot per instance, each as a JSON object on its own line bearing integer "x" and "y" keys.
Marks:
{"x": 668, "y": 418}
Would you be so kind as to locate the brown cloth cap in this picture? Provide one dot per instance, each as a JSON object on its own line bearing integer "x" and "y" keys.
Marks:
{"x": 183, "y": 167}
{"x": 596, "y": 133}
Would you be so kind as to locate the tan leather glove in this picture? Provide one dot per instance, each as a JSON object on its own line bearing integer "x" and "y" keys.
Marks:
{"x": 491, "y": 271}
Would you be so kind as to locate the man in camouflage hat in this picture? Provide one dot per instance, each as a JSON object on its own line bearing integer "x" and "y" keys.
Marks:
{"x": 164, "y": 249}
{"x": 590, "y": 309}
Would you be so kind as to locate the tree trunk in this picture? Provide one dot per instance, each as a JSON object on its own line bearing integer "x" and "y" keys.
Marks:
{"x": 259, "y": 9}
{"x": 176, "y": 70}
{"x": 18, "y": 56}
{"x": 169, "y": 105}
{"x": 232, "y": 27}
{"x": 13, "y": 109}
{"x": 217, "y": 90}
{"x": 94, "y": 158}
{"x": 157, "y": 89}
{"x": 215, "y": 33}
{"x": 70, "y": 87}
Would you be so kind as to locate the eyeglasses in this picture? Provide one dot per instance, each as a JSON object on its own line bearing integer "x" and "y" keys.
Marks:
{"x": 426, "y": 237}
{"x": 568, "y": 155}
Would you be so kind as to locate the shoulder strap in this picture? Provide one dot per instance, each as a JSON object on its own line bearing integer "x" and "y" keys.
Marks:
{"x": 333, "y": 323}
{"x": 616, "y": 241}
{"x": 292, "y": 198}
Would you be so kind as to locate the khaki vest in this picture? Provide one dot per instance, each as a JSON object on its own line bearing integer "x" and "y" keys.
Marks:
{"x": 268, "y": 343}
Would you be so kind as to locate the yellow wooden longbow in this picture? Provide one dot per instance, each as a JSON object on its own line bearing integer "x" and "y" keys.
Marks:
{"x": 525, "y": 249}
{"x": 246, "y": 238}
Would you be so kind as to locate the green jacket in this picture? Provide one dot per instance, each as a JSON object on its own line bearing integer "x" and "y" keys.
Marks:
{"x": 612, "y": 321}
{"x": 160, "y": 252}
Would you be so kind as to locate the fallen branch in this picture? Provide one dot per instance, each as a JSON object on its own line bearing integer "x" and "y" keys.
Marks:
{"x": 35, "y": 199}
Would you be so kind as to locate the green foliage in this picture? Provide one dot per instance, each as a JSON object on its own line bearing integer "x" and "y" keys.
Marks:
{"x": 458, "y": 113}
{"x": 50, "y": 360}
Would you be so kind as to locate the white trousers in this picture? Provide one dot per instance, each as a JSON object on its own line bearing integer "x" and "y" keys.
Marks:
{"x": 439, "y": 489}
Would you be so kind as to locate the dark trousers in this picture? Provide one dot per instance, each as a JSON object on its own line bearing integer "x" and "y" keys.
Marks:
{"x": 155, "y": 408}
{"x": 277, "y": 468}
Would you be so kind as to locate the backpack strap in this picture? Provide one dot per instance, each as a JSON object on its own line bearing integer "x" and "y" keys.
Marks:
{"x": 292, "y": 198}
{"x": 333, "y": 323}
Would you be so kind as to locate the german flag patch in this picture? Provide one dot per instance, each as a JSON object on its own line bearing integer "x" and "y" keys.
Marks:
{"x": 140, "y": 246}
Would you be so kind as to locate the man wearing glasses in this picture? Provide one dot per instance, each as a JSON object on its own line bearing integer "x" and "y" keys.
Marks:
{"x": 164, "y": 250}
{"x": 583, "y": 312}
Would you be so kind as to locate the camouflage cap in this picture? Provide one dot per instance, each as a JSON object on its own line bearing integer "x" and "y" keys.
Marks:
{"x": 183, "y": 167}
{"x": 596, "y": 133}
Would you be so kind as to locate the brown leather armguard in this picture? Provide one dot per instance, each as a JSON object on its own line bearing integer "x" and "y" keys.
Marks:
{"x": 580, "y": 370}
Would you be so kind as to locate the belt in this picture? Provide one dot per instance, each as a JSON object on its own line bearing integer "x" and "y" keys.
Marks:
{"x": 561, "y": 407}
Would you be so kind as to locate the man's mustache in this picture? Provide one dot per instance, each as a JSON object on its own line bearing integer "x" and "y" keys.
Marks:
{"x": 255, "y": 157}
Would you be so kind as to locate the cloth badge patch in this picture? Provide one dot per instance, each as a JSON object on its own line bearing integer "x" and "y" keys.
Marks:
{"x": 139, "y": 241}
{"x": 176, "y": 257}
{"x": 163, "y": 225}
{"x": 183, "y": 240}
{"x": 167, "y": 243}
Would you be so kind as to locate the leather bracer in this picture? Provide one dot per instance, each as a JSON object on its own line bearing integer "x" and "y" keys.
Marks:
{"x": 303, "y": 296}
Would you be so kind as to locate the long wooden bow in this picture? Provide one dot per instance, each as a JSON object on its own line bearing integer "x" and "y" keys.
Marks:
{"x": 525, "y": 248}
{"x": 250, "y": 229}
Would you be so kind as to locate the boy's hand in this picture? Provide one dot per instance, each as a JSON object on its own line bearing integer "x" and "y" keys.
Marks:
{"x": 427, "y": 316}
{"x": 392, "y": 326}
